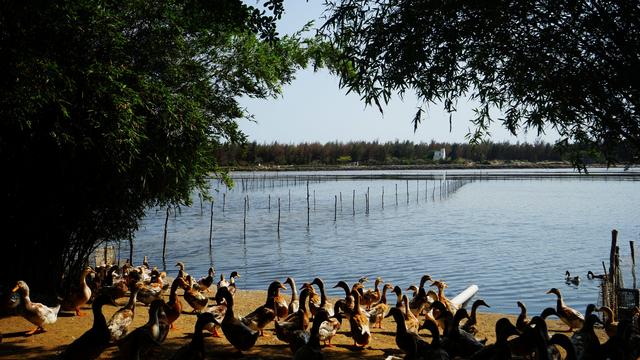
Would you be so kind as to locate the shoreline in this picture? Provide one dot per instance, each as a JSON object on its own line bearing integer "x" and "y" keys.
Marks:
{"x": 492, "y": 165}
{"x": 47, "y": 345}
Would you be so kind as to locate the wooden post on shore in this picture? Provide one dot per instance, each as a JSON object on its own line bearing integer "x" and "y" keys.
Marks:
{"x": 164, "y": 241}
{"x": 612, "y": 256}
{"x": 278, "y": 218}
{"x": 211, "y": 230}
{"x": 335, "y": 208}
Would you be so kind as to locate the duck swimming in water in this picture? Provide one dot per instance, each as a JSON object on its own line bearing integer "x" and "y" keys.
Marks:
{"x": 575, "y": 280}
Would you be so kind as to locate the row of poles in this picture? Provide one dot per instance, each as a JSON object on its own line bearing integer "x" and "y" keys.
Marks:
{"x": 444, "y": 189}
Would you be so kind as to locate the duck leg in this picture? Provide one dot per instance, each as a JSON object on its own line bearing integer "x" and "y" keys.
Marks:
{"x": 37, "y": 330}
{"x": 78, "y": 312}
{"x": 215, "y": 332}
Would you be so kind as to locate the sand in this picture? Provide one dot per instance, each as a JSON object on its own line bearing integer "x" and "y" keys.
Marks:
{"x": 15, "y": 345}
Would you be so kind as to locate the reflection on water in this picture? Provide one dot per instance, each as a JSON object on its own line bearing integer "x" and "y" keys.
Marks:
{"x": 513, "y": 238}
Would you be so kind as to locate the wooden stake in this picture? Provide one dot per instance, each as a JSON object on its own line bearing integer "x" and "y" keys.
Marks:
{"x": 244, "y": 232}
{"x": 289, "y": 199}
{"x": 308, "y": 207}
{"x": 353, "y": 204}
{"x": 224, "y": 200}
{"x": 633, "y": 264}
{"x": 269, "y": 202}
{"x": 340, "y": 202}
{"x": 396, "y": 194}
{"x": 335, "y": 208}
{"x": 407, "y": 191}
{"x": 164, "y": 241}
{"x": 211, "y": 230}
{"x": 383, "y": 197}
{"x": 278, "y": 218}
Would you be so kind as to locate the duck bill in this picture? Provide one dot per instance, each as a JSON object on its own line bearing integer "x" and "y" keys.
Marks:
{"x": 15, "y": 288}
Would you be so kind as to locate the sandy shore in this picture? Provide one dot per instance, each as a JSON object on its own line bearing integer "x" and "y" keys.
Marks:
{"x": 15, "y": 345}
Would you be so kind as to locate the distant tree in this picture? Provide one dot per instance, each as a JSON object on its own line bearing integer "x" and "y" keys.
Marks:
{"x": 111, "y": 107}
{"x": 567, "y": 65}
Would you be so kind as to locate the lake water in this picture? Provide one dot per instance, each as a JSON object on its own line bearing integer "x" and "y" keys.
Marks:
{"x": 514, "y": 237}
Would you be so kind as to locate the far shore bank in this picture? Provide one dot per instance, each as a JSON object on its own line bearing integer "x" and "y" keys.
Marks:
{"x": 436, "y": 166}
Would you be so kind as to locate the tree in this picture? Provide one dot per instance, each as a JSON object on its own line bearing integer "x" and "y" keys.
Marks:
{"x": 111, "y": 107}
{"x": 568, "y": 65}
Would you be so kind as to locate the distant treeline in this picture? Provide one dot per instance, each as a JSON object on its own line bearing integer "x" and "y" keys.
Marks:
{"x": 387, "y": 153}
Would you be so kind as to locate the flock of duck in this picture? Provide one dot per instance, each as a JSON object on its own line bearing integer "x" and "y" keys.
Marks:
{"x": 309, "y": 318}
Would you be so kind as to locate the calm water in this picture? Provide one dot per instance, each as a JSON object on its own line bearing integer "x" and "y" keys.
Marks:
{"x": 513, "y": 238}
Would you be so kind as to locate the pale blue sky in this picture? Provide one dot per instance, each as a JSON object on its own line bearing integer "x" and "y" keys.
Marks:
{"x": 314, "y": 108}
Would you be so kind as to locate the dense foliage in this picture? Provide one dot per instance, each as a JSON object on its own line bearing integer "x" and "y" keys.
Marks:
{"x": 567, "y": 65}
{"x": 107, "y": 108}
{"x": 387, "y": 153}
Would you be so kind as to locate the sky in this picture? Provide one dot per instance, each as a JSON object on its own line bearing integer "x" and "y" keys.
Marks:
{"x": 314, "y": 108}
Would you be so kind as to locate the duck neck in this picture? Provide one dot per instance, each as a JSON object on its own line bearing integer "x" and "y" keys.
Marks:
{"x": 98, "y": 318}
{"x": 197, "y": 342}
{"x": 383, "y": 297}
{"x": 271, "y": 295}
{"x": 174, "y": 288}
{"x": 314, "y": 340}
{"x": 559, "y": 303}
{"x": 228, "y": 299}
{"x": 472, "y": 318}
{"x": 294, "y": 291}
{"x": 132, "y": 300}
{"x": 401, "y": 326}
{"x": 323, "y": 295}
{"x": 304, "y": 298}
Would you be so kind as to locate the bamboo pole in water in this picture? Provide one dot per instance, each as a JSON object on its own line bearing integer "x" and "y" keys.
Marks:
{"x": 417, "y": 191}
{"x": 289, "y": 199}
{"x": 164, "y": 241}
{"x": 130, "y": 248}
{"x": 383, "y": 197}
{"x": 353, "y": 203}
{"x": 396, "y": 194}
{"x": 269, "y": 202}
{"x": 278, "y": 217}
{"x": 335, "y": 208}
{"x": 340, "y": 202}
{"x": 200, "y": 197}
{"x": 244, "y": 221}
{"x": 211, "y": 230}
{"x": 407, "y": 191}
{"x": 308, "y": 207}
{"x": 314, "y": 200}
{"x": 368, "y": 197}
{"x": 633, "y": 264}
{"x": 224, "y": 200}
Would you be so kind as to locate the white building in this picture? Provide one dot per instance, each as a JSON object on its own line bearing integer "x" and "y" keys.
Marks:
{"x": 439, "y": 155}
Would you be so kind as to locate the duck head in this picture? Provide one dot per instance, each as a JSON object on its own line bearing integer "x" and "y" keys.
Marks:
{"x": 554, "y": 291}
